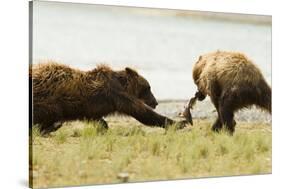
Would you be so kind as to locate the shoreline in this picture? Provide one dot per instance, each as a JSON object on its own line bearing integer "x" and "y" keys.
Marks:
{"x": 206, "y": 110}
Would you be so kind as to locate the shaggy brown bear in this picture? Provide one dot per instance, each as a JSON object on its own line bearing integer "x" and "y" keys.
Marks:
{"x": 233, "y": 82}
{"x": 61, "y": 93}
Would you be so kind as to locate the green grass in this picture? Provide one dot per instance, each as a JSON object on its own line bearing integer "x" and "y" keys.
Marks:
{"x": 84, "y": 153}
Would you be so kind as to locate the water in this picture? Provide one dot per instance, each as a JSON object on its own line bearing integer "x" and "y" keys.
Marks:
{"x": 162, "y": 47}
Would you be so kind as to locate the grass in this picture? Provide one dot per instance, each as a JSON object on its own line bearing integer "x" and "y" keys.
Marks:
{"x": 84, "y": 153}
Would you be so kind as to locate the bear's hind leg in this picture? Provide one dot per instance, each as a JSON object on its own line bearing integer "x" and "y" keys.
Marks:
{"x": 48, "y": 117}
{"x": 45, "y": 130}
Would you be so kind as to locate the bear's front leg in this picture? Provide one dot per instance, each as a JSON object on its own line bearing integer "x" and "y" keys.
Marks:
{"x": 140, "y": 111}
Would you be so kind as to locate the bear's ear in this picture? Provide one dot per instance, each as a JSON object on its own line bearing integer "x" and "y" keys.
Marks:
{"x": 131, "y": 72}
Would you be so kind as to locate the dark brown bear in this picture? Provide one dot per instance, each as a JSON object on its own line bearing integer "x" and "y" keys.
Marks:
{"x": 61, "y": 93}
{"x": 233, "y": 82}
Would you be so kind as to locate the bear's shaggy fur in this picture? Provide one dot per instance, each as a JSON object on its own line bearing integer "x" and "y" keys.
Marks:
{"x": 233, "y": 82}
{"x": 61, "y": 93}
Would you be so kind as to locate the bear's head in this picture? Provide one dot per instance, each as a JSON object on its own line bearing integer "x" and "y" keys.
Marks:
{"x": 137, "y": 86}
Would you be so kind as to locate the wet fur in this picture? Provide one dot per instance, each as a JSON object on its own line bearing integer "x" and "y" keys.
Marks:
{"x": 61, "y": 93}
{"x": 233, "y": 82}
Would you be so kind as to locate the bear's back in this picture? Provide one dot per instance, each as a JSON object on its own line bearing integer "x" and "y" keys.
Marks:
{"x": 228, "y": 68}
{"x": 53, "y": 79}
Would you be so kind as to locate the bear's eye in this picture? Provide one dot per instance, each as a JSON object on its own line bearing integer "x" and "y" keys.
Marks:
{"x": 144, "y": 92}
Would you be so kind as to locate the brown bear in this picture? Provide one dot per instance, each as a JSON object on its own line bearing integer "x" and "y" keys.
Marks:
{"x": 61, "y": 93}
{"x": 233, "y": 82}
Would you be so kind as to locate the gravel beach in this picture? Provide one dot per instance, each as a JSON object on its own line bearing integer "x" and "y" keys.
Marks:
{"x": 206, "y": 110}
